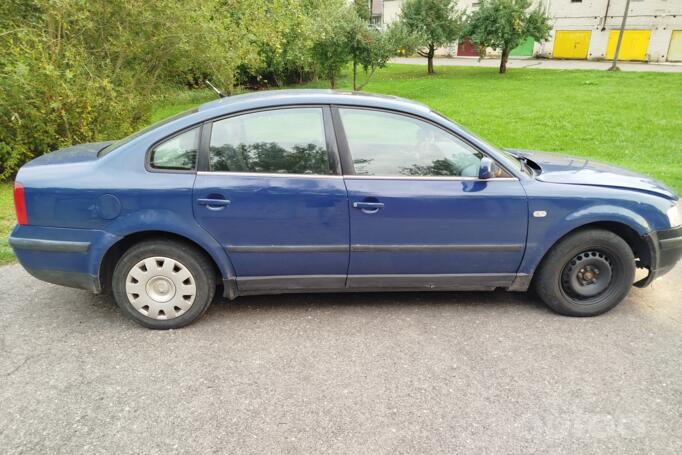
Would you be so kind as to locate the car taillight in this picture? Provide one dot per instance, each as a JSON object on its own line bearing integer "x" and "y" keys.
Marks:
{"x": 20, "y": 203}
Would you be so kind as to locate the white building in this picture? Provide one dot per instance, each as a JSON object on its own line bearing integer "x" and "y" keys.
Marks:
{"x": 588, "y": 29}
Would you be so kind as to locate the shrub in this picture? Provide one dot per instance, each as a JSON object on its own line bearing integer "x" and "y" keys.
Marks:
{"x": 74, "y": 71}
{"x": 49, "y": 101}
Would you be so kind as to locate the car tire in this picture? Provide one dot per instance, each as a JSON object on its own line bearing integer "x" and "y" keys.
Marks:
{"x": 164, "y": 284}
{"x": 586, "y": 274}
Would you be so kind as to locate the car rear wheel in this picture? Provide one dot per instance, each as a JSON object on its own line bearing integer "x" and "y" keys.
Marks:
{"x": 163, "y": 284}
{"x": 586, "y": 274}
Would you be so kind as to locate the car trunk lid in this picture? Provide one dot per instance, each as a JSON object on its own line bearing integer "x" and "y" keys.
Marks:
{"x": 74, "y": 154}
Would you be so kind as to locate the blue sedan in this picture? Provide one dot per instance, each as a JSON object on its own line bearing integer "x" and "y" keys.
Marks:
{"x": 317, "y": 191}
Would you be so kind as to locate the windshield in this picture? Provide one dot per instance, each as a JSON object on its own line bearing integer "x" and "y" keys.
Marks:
{"x": 111, "y": 147}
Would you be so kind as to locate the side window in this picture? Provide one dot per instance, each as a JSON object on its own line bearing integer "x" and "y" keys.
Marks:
{"x": 386, "y": 144}
{"x": 282, "y": 141}
{"x": 177, "y": 153}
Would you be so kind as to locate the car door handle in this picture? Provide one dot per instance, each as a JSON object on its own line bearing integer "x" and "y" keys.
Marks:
{"x": 368, "y": 207}
{"x": 214, "y": 204}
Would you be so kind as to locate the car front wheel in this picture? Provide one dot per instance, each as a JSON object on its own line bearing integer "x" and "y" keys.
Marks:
{"x": 586, "y": 274}
{"x": 163, "y": 284}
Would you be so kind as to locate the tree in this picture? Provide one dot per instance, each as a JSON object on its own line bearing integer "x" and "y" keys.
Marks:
{"x": 404, "y": 41}
{"x": 433, "y": 23}
{"x": 362, "y": 8}
{"x": 286, "y": 60}
{"x": 344, "y": 36}
{"x": 504, "y": 24}
{"x": 331, "y": 46}
{"x": 369, "y": 49}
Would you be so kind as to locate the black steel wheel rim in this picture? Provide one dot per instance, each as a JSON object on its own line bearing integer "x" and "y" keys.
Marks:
{"x": 588, "y": 275}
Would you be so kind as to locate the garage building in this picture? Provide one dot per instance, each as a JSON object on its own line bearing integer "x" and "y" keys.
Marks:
{"x": 586, "y": 29}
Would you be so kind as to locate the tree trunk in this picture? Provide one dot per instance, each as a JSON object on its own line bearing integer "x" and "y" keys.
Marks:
{"x": 503, "y": 60}
{"x": 432, "y": 51}
{"x": 355, "y": 75}
{"x": 367, "y": 79}
{"x": 332, "y": 81}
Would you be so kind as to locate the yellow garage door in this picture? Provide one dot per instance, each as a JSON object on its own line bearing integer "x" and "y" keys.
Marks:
{"x": 571, "y": 44}
{"x": 634, "y": 46}
{"x": 675, "y": 49}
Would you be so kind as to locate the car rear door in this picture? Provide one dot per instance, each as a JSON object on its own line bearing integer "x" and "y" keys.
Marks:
{"x": 419, "y": 215}
{"x": 271, "y": 193}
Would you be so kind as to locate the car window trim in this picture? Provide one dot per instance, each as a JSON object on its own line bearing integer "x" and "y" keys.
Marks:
{"x": 347, "y": 165}
{"x": 269, "y": 174}
{"x": 347, "y": 157}
{"x": 329, "y": 136}
{"x": 202, "y": 164}
{"x": 330, "y": 139}
{"x": 429, "y": 177}
{"x": 148, "y": 154}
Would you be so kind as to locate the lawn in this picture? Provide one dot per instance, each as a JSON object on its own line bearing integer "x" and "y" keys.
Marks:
{"x": 181, "y": 101}
{"x": 630, "y": 119}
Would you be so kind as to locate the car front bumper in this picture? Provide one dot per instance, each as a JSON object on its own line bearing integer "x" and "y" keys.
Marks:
{"x": 665, "y": 248}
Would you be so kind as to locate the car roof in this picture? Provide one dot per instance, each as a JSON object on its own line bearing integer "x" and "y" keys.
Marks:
{"x": 267, "y": 98}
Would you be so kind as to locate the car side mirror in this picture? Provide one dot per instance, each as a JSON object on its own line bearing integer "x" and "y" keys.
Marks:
{"x": 488, "y": 169}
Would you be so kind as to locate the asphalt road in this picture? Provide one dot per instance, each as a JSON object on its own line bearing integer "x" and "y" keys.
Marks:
{"x": 365, "y": 373}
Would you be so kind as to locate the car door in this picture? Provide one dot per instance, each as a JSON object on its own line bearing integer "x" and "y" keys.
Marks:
{"x": 271, "y": 193}
{"x": 419, "y": 215}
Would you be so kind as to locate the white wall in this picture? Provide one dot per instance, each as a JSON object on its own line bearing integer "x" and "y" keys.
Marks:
{"x": 391, "y": 10}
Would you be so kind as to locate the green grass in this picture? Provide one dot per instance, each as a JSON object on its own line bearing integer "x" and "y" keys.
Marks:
{"x": 629, "y": 119}
{"x": 7, "y": 222}
{"x": 175, "y": 103}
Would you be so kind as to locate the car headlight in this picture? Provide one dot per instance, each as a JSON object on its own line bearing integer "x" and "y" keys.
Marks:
{"x": 674, "y": 216}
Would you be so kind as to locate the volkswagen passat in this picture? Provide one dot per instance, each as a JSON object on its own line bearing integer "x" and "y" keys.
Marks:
{"x": 293, "y": 191}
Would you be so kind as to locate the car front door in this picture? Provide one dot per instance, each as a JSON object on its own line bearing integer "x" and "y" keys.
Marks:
{"x": 419, "y": 215}
{"x": 271, "y": 193}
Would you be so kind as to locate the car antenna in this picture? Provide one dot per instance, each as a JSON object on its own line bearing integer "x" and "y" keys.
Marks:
{"x": 213, "y": 87}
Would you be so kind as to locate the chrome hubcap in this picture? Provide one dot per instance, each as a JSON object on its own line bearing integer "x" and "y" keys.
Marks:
{"x": 587, "y": 275}
{"x": 160, "y": 288}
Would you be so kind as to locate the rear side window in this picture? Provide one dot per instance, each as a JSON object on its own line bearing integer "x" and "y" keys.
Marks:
{"x": 281, "y": 141}
{"x": 388, "y": 144}
{"x": 177, "y": 153}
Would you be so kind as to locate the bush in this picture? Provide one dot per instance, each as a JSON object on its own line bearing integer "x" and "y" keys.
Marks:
{"x": 74, "y": 71}
{"x": 48, "y": 102}
{"x": 284, "y": 58}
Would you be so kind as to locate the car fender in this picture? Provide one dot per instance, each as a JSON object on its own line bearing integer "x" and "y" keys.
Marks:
{"x": 163, "y": 221}
{"x": 544, "y": 233}
{"x": 611, "y": 213}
